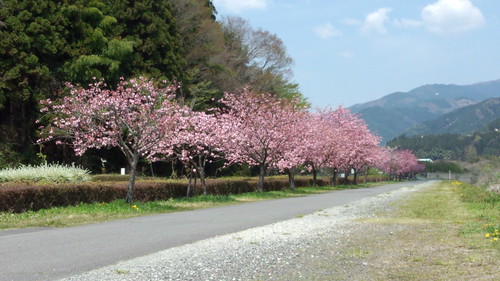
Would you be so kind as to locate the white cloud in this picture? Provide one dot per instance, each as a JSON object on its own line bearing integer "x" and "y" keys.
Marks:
{"x": 326, "y": 31}
{"x": 237, "y": 6}
{"x": 448, "y": 16}
{"x": 375, "y": 22}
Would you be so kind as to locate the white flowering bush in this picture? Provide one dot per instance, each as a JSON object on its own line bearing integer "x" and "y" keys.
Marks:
{"x": 54, "y": 173}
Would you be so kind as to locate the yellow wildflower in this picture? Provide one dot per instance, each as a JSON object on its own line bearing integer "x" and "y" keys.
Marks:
{"x": 487, "y": 235}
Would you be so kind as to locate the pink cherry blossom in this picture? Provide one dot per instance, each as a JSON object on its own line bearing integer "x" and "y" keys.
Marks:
{"x": 136, "y": 117}
{"x": 260, "y": 130}
{"x": 196, "y": 143}
{"x": 399, "y": 163}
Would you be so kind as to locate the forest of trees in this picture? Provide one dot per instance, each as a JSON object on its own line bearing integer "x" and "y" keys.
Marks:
{"x": 46, "y": 43}
{"x": 485, "y": 142}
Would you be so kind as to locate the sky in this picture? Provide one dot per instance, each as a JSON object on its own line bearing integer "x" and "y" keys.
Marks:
{"x": 353, "y": 51}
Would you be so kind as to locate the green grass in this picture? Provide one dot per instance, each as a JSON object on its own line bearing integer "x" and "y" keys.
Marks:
{"x": 484, "y": 207}
{"x": 445, "y": 232}
{"x": 100, "y": 212}
{"x": 472, "y": 210}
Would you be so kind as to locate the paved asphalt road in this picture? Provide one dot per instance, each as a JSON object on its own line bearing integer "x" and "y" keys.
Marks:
{"x": 53, "y": 253}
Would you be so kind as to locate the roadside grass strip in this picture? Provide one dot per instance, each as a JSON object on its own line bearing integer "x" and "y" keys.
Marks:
{"x": 449, "y": 231}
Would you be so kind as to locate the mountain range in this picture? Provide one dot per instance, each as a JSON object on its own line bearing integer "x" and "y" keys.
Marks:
{"x": 465, "y": 120}
{"x": 413, "y": 112}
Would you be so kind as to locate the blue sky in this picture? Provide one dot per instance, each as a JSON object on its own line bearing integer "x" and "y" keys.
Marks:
{"x": 353, "y": 51}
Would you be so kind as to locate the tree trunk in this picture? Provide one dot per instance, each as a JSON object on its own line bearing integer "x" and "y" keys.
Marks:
{"x": 346, "y": 178}
{"x": 262, "y": 173}
{"x": 190, "y": 185}
{"x": 174, "y": 171}
{"x": 201, "y": 172}
{"x": 334, "y": 177}
{"x": 202, "y": 181}
{"x": 291, "y": 178}
{"x": 315, "y": 175}
{"x": 366, "y": 174}
{"x": 355, "y": 179}
{"x": 131, "y": 182}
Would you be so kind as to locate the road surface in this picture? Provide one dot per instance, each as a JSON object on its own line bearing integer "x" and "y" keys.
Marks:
{"x": 54, "y": 253}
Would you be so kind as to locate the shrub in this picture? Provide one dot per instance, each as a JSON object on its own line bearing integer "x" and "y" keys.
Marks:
{"x": 478, "y": 195}
{"x": 443, "y": 166}
{"x": 25, "y": 196}
{"x": 50, "y": 173}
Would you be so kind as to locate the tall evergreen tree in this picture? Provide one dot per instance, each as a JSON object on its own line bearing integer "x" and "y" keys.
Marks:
{"x": 44, "y": 43}
{"x": 202, "y": 44}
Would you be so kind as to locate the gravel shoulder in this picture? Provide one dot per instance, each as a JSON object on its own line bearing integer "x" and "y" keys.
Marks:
{"x": 319, "y": 246}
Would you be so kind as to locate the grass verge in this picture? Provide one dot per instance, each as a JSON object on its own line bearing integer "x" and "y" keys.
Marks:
{"x": 100, "y": 212}
{"x": 447, "y": 232}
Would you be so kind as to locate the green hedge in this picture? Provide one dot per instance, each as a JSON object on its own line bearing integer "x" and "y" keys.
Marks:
{"x": 21, "y": 197}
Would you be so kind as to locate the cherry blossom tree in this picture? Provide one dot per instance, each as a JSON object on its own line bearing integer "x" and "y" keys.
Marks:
{"x": 293, "y": 153}
{"x": 137, "y": 117}
{"x": 328, "y": 140}
{"x": 408, "y": 163}
{"x": 367, "y": 156}
{"x": 321, "y": 138}
{"x": 360, "y": 146}
{"x": 256, "y": 130}
{"x": 389, "y": 163}
{"x": 339, "y": 140}
{"x": 197, "y": 143}
{"x": 399, "y": 163}
{"x": 346, "y": 126}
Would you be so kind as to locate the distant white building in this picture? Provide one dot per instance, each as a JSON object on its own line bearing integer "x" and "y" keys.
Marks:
{"x": 425, "y": 160}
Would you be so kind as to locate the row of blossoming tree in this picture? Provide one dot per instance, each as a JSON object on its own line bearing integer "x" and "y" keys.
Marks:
{"x": 145, "y": 120}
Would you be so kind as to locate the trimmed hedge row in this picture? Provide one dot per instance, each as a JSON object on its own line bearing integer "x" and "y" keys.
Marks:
{"x": 22, "y": 197}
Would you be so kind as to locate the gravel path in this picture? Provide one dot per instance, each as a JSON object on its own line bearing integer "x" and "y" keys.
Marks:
{"x": 272, "y": 252}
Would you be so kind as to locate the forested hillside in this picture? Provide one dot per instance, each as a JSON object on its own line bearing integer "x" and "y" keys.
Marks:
{"x": 391, "y": 115}
{"x": 45, "y": 44}
{"x": 485, "y": 142}
{"x": 462, "y": 121}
